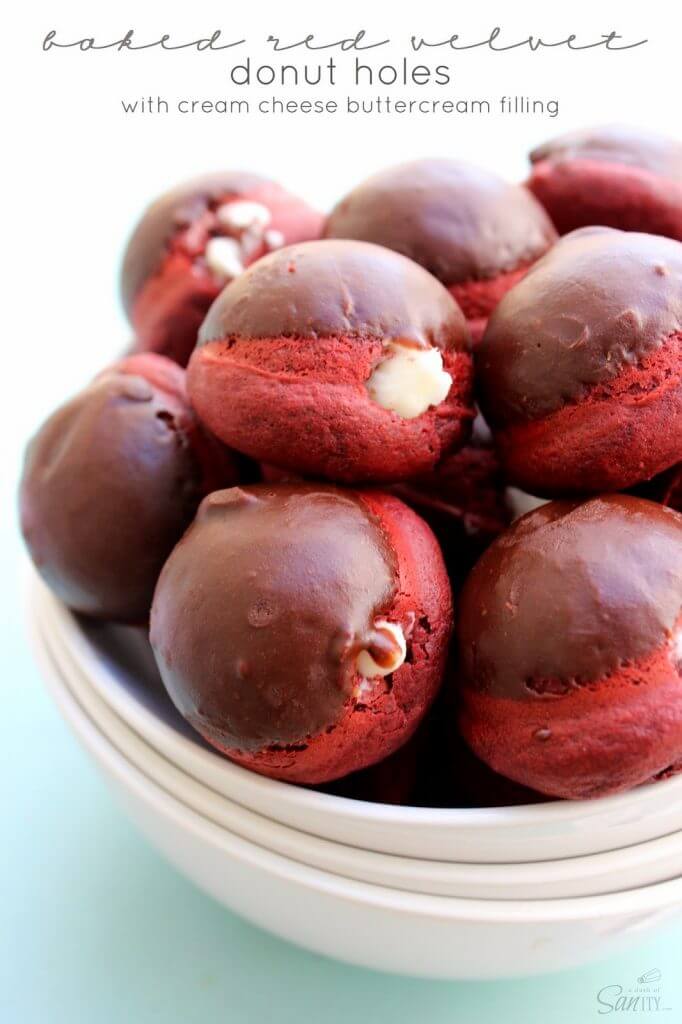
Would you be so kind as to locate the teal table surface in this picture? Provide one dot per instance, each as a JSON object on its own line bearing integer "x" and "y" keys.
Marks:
{"x": 95, "y": 927}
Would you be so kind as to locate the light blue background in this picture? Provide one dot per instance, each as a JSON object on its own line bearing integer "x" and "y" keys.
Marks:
{"x": 96, "y": 928}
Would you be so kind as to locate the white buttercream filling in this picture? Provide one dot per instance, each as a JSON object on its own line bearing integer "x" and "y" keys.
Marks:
{"x": 243, "y": 213}
{"x": 368, "y": 667}
{"x": 224, "y": 257}
{"x": 677, "y": 647}
{"x": 273, "y": 239}
{"x": 409, "y": 380}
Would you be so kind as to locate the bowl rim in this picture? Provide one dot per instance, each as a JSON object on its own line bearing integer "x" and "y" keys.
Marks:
{"x": 200, "y": 797}
{"x": 644, "y": 900}
{"x": 311, "y": 801}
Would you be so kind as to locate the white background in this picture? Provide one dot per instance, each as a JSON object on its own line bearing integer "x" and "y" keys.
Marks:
{"x": 80, "y": 171}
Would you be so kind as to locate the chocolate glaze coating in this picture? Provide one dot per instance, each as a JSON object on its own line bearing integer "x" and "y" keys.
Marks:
{"x": 336, "y": 288}
{"x": 171, "y": 213}
{"x": 305, "y": 567}
{"x": 109, "y": 485}
{"x": 459, "y": 222}
{"x": 600, "y": 301}
{"x": 568, "y": 594}
{"x": 616, "y": 144}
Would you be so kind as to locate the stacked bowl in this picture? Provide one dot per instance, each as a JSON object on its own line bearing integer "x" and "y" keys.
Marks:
{"x": 450, "y": 893}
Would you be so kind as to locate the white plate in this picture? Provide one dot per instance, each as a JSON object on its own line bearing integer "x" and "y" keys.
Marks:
{"x": 643, "y": 864}
{"x": 118, "y": 664}
{"x": 369, "y": 925}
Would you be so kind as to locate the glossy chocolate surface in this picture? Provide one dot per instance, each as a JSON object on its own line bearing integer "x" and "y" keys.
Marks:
{"x": 616, "y": 144}
{"x": 109, "y": 485}
{"x": 458, "y": 221}
{"x": 337, "y": 288}
{"x": 570, "y": 593}
{"x": 263, "y": 607}
{"x": 599, "y": 302}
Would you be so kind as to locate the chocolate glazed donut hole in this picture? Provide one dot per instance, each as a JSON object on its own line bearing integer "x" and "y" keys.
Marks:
{"x": 302, "y": 630}
{"x": 580, "y": 368}
{"x": 570, "y": 639}
{"x": 192, "y": 241}
{"x": 475, "y": 232}
{"x": 110, "y": 482}
{"x": 336, "y": 359}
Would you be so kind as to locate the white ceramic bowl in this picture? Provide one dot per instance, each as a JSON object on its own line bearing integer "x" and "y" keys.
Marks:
{"x": 386, "y": 929}
{"x": 643, "y": 864}
{"x": 118, "y": 664}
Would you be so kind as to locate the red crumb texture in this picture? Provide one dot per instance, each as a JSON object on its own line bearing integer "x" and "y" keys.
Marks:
{"x": 592, "y": 741}
{"x": 373, "y": 727}
{"x": 391, "y": 781}
{"x": 478, "y": 299}
{"x": 171, "y": 307}
{"x": 579, "y": 193}
{"x": 463, "y": 501}
{"x": 615, "y": 436}
{"x": 466, "y": 489}
{"x": 303, "y": 406}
